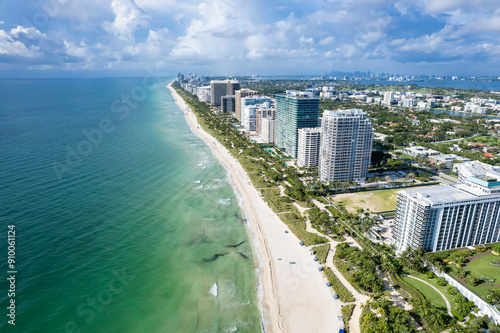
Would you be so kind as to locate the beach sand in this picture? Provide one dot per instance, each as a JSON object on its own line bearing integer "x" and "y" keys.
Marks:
{"x": 295, "y": 296}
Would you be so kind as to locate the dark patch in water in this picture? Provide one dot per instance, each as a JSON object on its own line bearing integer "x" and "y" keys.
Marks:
{"x": 243, "y": 255}
{"x": 215, "y": 257}
{"x": 235, "y": 245}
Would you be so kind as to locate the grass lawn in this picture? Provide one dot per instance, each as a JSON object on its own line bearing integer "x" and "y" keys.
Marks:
{"x": 322, "y": 252}
{"x": 258, "y": 181}
{"x": 376, "y": 201}
{"x": 322, "y": 200}
{"x": 272, "y": 196}
{"x": 481, "y": 267}
{"x": 437, "y": 286}
{"x": 430, "y": 294}
{"x": 298, "y": 227}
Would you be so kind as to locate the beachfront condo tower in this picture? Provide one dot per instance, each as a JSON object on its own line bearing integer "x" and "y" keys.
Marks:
{"x": 239, "y": 94}
{"x": 294, "y": 110}
{"x": 220, "y": 88}
{"x": 346, "y": 146}
{"x": 449, "y": 217}
{"x": 308, "y": 151}
{"x": 252, "y": 100}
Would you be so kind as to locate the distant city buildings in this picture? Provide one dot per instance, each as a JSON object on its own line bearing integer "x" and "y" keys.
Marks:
{"x": 308, "y": 150}
{"x": 294, "y": 110}
{"x": 346, "y": 146}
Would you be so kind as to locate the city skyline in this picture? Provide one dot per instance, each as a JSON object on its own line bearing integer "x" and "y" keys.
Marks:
{"x": 61, "y": 38}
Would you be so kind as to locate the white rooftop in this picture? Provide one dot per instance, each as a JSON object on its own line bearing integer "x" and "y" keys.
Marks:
{"x": 447, "y": 194}
{"x": 339, "y": 113}
{"x": 439, "y": 194}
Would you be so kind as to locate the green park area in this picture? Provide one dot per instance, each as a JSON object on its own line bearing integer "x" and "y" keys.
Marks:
{"x": 375, "y": 201}
{"x": 481, "y": 267}
{"x": 430, "y": 294}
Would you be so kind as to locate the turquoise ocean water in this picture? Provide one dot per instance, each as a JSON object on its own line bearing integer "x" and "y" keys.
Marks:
{"x": 124, "y": 220}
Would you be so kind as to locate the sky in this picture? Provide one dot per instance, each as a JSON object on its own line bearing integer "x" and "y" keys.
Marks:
{"x": 77, "y": 38}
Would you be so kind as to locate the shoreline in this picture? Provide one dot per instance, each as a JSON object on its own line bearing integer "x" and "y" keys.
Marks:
{"x": 295, "y": 297}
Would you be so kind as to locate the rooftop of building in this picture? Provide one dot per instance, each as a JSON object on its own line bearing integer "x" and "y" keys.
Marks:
{"x": 299, "y": 94}
{"x": 479, "y": 168}
{"x": 344, "y": 113}
{"x": 310, "y": 129}
{"x": 439, "y": 194}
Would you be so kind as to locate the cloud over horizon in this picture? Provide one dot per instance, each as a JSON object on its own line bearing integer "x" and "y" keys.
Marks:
{"x": 243, "y": 37}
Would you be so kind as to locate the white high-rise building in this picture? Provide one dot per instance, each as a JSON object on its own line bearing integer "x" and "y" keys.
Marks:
{"x": 249, "y": 115}
{"x": 388, "y": 97}
{"x": 346, "y": 146}
{"x": 204, "y": 93}
{"x": 267, "y": 130}
{"x": 308, "y": 147}
{"x": 449, "y": 217}
{"x": 251, "y": 100}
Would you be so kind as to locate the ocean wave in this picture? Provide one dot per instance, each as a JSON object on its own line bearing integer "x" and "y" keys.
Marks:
{"x": 226, "y": 201}
{"x": 214, "y": 290}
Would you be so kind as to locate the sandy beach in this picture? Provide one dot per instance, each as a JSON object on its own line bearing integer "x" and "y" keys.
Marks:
{"x": 295, "y": 296}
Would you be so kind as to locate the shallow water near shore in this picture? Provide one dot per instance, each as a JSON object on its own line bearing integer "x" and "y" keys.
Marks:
{"x": 136, "y": 229}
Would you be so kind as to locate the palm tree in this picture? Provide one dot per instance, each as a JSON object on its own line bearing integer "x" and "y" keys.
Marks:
{"x": 404, "y": 259}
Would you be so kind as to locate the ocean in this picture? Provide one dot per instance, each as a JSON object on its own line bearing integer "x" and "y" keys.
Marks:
{"x": 124, "y": 221}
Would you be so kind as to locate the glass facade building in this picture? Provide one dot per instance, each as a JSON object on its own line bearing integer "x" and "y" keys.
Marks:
{"x": 294, "y": 110}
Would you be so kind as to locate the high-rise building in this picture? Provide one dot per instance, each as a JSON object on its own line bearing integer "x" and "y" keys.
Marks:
{"x": 227, "y": 103}
{"x": 267, "y": 130}
{"x": 238, "y": 95}
{"x": 308, "y": 150}
{"x": 204, "y": 93}
{"x": 232, "y": 87}
{"x": 263, "y": 110}
{"x": 388, "y": 97}
{"x": 346, "y": 146}
{"x": 294, "y": 110}
{"x": 249, "y": 117}
{"x": 449, "y": 217}
{"x": 221, "y": 88}
{"x": 252, "y": 100}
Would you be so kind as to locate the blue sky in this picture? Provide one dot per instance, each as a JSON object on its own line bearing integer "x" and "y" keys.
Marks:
{"x": 54, "y": 38}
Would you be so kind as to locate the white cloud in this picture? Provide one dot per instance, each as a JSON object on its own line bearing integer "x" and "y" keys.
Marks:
{"x": 306, "y": 41}
{"x": 11, "y": 47}
{"x": 153, "y": 48}
{"x": 128, "y": 17}
{"x": 449, "y": 6}
{"x": 81, "y": 51}
{"x": 217, "y": 33}
{"x": 30, "y": 32}
{"x": 2, "y": 22}
{"x": 327, "y": 40}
